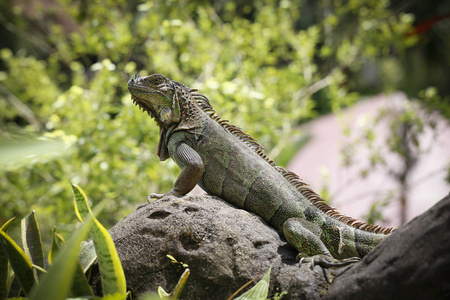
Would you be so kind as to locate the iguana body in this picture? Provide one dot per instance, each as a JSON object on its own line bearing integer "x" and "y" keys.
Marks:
{"x": 230, "y": 164}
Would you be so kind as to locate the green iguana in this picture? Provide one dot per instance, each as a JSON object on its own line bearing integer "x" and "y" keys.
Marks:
{"x": 230, "y": 164}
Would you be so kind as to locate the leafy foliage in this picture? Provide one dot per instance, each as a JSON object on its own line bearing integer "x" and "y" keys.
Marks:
{"x": 65, "y": 274}
{"x": 266, "y": 66}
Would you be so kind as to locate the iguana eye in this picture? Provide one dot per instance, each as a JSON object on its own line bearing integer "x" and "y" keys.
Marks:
{"x": 156, "y": 80}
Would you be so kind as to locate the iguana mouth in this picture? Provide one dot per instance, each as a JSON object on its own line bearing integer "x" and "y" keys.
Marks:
{"x": 138, "y": 102}
{"x": 135, "y": 86}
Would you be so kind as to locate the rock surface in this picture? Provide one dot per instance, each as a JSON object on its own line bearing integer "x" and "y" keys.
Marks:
{"x": 226, "y": 247}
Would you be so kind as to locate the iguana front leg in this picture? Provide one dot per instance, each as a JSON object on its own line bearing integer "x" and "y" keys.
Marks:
{"x": 304, "y": 236}
{"x": 191, "y": 165}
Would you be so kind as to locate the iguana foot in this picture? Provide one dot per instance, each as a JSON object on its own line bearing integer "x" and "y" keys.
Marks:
{"x": 141, "y": 206}
{"x": 159, "y": 196}
{"x": 154, "y": 195}
{"x": 325, "y": 261}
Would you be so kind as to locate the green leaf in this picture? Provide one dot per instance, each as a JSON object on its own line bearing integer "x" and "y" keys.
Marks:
{"x": 4, "y": 266}
{"x": 175, "y": 261}
{"x": 259, "y": 291}
{"x": 80, "y": 285}
{"x": 180, "y": 285}
{"x": 87, "y": 255}
{"x": 57, "y": 242}
{"x": 176, "y": 292}
{"x": 57, "y": 282}
{"x": 81, "y": 203}
{"x": 151, "y": 296}
{"x": 162, "y": 293}
{"x": 8, "y": 223}
{"x": 20, "y": 263}
{"x": 31, "y": 239}
{"x": 111, "y": 271}
{"x": 116, "y": 296}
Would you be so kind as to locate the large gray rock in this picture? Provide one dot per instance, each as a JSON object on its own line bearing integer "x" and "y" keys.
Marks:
{"x": 225, "y": 247}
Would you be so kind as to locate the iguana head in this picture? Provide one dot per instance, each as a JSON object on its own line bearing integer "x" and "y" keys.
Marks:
{"x": 169, "y": 102}
{"x": 155, "y": 94}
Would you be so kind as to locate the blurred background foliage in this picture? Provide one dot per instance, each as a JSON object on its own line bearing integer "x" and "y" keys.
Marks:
{"x": 66, "y": 114}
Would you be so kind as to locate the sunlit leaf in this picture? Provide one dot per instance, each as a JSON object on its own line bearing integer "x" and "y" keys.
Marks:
{"x": 87, "y": 255}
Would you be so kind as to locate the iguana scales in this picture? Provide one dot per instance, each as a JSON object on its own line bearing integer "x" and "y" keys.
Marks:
{"x": 230, "y": 164}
